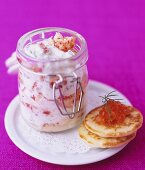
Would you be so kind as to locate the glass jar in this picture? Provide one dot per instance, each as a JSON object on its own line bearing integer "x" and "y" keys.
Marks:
{"x": 52, "y": 92}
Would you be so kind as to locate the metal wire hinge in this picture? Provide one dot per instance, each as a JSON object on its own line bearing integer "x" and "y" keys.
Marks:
{"x": 76, "y": 103}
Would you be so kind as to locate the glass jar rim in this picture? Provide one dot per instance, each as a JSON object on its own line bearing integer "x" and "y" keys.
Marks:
{"x": 29, "y": 34}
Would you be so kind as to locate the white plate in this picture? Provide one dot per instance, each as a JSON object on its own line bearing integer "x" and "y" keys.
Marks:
{"x": 11, "y": 124}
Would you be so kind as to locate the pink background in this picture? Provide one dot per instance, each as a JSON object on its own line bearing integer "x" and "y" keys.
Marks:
{"x": 115, "y": 33}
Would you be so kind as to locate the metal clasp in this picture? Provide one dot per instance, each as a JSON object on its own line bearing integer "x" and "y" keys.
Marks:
{"x": 58, "y": 85}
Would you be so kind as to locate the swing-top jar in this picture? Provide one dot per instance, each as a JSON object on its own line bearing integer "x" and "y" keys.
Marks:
{"x": 52, "y": 78}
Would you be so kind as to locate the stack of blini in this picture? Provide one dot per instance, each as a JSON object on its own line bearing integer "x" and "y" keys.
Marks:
{"x": 103, "y": 136}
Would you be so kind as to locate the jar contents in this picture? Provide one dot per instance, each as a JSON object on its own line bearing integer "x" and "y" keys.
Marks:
{"x": 56, "y": 47}
{"x": 39, "y": 108}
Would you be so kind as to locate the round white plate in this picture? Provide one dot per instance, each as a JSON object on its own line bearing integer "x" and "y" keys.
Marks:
{"x": 13, "y": 130}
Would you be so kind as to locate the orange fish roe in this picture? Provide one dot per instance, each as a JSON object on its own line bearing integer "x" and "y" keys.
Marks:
{"x": 113, "y": 113}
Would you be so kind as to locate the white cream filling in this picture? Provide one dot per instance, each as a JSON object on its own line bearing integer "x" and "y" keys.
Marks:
{"x": 35, "y": 51}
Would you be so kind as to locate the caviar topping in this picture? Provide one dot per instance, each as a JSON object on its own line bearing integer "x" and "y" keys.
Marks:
{"x": 112, "y": 113}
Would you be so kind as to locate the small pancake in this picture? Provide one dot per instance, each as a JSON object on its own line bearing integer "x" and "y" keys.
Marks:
{"x": 129, "y": 126}
{"x": 101, "y": 142}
